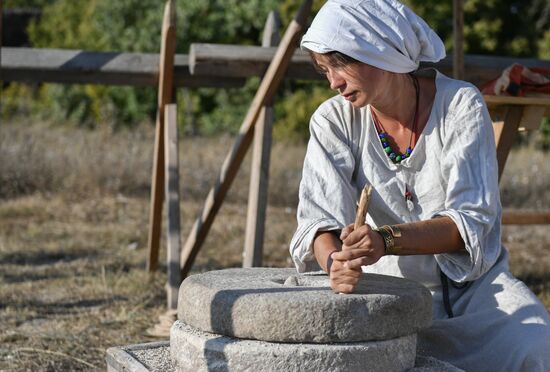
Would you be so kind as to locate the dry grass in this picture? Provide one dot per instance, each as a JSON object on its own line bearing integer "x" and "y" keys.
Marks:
{"x": 73, "y": 230}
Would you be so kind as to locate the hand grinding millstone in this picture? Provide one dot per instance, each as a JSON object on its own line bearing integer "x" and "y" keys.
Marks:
{"x": 362, "y": 208}
{"x": 345, "y": 276}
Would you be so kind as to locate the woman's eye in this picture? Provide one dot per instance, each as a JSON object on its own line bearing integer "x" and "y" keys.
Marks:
{"x": 321, "y": 71}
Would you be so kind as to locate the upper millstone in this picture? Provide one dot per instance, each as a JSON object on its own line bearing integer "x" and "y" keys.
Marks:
{"x": 279, "y": 306}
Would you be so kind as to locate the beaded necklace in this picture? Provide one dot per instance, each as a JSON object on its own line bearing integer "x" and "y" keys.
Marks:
{"x": 395, "y": 156}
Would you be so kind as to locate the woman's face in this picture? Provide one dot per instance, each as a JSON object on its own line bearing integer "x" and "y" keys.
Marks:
{"x": 359, "y": 83}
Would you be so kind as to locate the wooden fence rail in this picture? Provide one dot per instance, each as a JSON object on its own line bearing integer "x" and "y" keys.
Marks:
{"x": 207, "y": 65}
{"x": 245, "y": 61}
{"x": 67, "y": 66}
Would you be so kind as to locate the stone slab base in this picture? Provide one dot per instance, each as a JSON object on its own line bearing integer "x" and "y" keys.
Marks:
{"x": 195, "y": 350}
{"x": 148, "y": 357}
{"x": 155, "y": 357}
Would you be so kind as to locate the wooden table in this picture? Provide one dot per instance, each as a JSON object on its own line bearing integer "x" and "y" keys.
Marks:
{"x": 510, "y": 115}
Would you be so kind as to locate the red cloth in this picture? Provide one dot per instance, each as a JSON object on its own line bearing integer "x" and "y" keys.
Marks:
{"x": 517, "y": 80}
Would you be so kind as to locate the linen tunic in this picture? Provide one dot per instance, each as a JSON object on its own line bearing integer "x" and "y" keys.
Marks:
{"x": 498, "y": 322}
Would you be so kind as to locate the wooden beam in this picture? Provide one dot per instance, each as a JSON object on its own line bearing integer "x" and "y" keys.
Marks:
{"x": 245, "y": 61}
{"x": 511, "y": 217}
{"x": 165, "y": 96}
{"x": 505, "y": 134}
{"x": 516, "y": 101}
{"x": 172, "y": 205}
{"x": 458, "y": 39}
{"x": 259, "y": 174}
{"x": 230, "y": 167}
{"x": 67, "y": 66}
{"x": 208, "y": 65}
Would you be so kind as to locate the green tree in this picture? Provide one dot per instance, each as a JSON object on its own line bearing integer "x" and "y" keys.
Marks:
{"x": 135, "y": 26}
{"x": 503, "y": 27}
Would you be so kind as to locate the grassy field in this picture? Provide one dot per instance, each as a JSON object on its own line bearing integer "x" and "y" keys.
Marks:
{"x": 73, "y": 231}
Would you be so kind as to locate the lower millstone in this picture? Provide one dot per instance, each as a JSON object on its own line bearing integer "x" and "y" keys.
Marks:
{"x": 195, "y": 350}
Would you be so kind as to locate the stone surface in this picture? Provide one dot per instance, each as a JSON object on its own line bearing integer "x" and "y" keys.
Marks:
{"x": 194, "y": 350}
{"x": 256, "y": 304}
{"x": 155, "y": 357}
{"x": 152, "y": 356}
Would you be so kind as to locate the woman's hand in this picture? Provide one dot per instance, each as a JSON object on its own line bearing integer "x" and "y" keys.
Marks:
{"x": 342, "y": 278}
{"x": 360, "y": 247}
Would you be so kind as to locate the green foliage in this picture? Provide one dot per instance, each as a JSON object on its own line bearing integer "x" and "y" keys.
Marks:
{"x": 498, "y": 27}
{"x": 294, "y": 111}
{"x": 26, "y": 3}
{"x": 135, "y": 26}
{"x": 495, "y": 27}
{"x": 229, "y": 107}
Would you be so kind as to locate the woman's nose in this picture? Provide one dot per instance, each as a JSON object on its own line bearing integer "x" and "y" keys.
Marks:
{"x": 335, "y": 80}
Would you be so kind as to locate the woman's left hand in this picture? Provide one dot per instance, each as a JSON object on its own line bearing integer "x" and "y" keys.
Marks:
{"x": 360, "y": 247}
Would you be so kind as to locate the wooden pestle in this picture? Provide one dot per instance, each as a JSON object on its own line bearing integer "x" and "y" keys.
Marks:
{"x": 363, "y": 206}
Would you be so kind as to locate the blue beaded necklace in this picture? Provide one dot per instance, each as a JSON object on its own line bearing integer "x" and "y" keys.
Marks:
{"x": 395, "y": 156}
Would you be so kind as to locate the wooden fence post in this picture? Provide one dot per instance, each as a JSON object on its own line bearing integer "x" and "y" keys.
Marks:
{"x": 505, "y": 134}
{"x": 272, "y": 78}
{"x": 259, "y": 175}
{"x": 165, "y": 95}
{"x": 172, "y": 205}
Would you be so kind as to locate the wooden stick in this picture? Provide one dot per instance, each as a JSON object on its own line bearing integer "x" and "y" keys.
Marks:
{"x": 173, "y": 232}
{"x": 165, "y": 95}
{"x": 273, "y": 77}
{"x": 364, "y": 201}
{"x": 505, "y": 134}
{"x": 259, "y": 173}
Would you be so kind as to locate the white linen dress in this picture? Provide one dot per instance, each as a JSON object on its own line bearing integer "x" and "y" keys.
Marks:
{"x": 498, "y": 323}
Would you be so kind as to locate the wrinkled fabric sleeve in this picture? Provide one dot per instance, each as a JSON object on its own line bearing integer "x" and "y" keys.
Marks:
{"x": 326, "y": 195}
{"x": 472, "y": 201}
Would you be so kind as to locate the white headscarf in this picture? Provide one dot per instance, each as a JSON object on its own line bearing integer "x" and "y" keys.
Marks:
{"x": 381, "y": 33}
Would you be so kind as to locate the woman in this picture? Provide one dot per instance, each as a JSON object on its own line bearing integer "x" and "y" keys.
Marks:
{"x": 425, "y": 143}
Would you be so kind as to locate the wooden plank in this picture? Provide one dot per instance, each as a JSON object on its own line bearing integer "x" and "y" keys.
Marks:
{"x": 259, "y": 174}
{"x": 67, "y": 66}
{"x": 230, "y": 167}
{"x": 510, "y": 217}
{"x": 245, "y": 61}
{"x": 212, "y": 65}
{"x": 458, "y": 39}
{"x": 498, "y": 127}
{"x": 172, "y": 205}
{"x": 165, "y": 95}
{"x": 505, "y": 134}
{"x": 493, "y": 101}
{"x": 532, "y": 117}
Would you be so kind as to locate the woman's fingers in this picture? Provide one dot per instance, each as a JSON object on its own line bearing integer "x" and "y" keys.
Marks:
{"x": 343, "y": 288}
{"x": 344, "y": 283}
{"x": 356, "y": 263}
{"x": 342, "y": 278}
{"x": 356, "y": 237}
{"x": 346, "y": 231}
{"x": 350, "y": 254}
